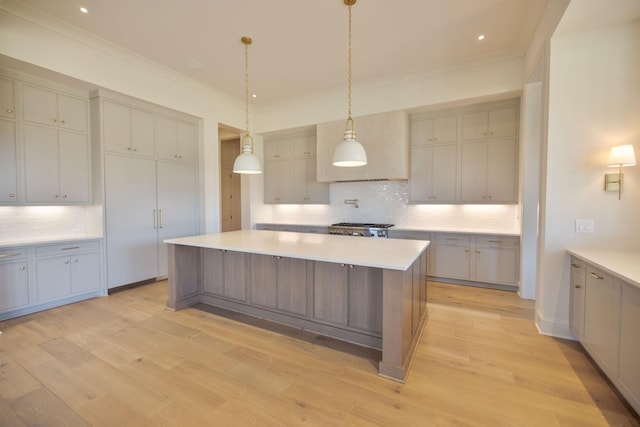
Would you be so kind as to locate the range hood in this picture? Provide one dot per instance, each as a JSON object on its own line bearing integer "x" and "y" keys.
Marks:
{"x": 385, "y": 138}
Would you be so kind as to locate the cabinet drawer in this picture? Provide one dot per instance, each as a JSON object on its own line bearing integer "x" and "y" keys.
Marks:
{"x": 577, "y": 270}
{"x": 12, "y": 254}
{"x": 505, "y": 241}
{"x": 70, "y": 247}
{"x": 453, "y": 238}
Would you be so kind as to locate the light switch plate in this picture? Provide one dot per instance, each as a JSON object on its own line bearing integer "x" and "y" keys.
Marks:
{"x": 584, "y": 226}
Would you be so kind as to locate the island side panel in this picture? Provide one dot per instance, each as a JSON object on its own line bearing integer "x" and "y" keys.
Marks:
{"x": 401, "y": 331}
{"x": 185, "y": 276}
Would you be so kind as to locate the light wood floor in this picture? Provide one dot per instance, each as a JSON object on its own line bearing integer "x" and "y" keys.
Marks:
{"x": 124, "y": 360}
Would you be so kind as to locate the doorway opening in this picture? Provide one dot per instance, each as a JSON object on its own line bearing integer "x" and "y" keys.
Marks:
{"x": 230, "y": 187}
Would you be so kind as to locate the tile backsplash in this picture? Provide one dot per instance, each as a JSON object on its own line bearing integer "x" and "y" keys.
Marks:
{"x": 388, "y": 202}
{"x": 24, "y": 222}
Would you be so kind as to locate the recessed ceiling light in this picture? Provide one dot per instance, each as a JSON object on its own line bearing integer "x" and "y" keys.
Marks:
{"x": 481, "y": 37}
{"x": 254, "y": 96}
{"x": 84, "y": 10}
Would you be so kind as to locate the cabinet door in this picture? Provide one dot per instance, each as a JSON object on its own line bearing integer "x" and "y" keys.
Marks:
{"x": 142, "y": 133}
{"x": 85, "y": 272}
{"x": 292, "y": 285}
{"x": 629, "y": 374}
{"x": 186, "y": 141}
{"x": 474, "y": 172}
{"x": 304, "y": 187}
{"x": 8, "y": 162}
{"x": 277, "y": 149}
{"x": 303, "y": 146}
{"x": 39, "y": 105}
{"x": 601, "y": 319}
{"x": 41, "y": 164}
{"x": 74, "y": 167}
{"x": 177, "y": 206}
{"x": 166, "y": 133}
{"x": 503, "y": 123}
{"x": 213, "y": 271}
{"x": 420, "y": 181}
{"x": 474, "y": 125}
{"x": 14, "y": 285}
{"x": 502, "y": 180}
{"x": 131, "y": 219}
{"x": 496, "y": 265}
{"x": 235, "y": 275}
{"x": 576, "y": 319}
{"x": 444, "y": 173}
{"x": 445, "y": 129}
{"x": 330, "y": 292}
{"x": 127, "y": 130}
{"x": 73, "y": 113}
{"x": 53, "y": 278}
{"x": 263, "y": 280}
{"x": 452, "y": 261}
{"x": 365, "y": 298}
{"x": 7, "y": 99}
{"x": 277, "y": 182}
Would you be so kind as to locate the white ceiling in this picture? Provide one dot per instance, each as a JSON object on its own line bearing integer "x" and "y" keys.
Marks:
{"x": 300, "y": 47}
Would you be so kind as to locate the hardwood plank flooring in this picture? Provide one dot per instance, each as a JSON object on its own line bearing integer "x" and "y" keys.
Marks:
{"x": 125, "y": 360}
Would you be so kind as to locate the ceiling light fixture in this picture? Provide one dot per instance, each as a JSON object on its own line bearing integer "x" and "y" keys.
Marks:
{"x": 619, "y": 157}
{"x": 247, "y": 162}
{"x": 349, "y": 153}
{"x": 481, "y": 37}
{"x": 84, "y": 10}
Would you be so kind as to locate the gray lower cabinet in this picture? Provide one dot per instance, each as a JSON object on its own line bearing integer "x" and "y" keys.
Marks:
{"x": 14, "y": 279}
{"x": 576, "y": 317}
{"x": 348, "y": 295}
{"x": 279, "y": 283}
{"x": 605, "y": 314}
{"x": 225, "y": 273}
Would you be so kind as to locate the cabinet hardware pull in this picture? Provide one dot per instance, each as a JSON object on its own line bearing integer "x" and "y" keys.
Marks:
{"x": 12, "y": 195}
{"x": 161, "y": 219}
{"x": 75, "y": 260}
{"x": 55, "y": 196}
{"x": 66, "y": 262}
{"x": 23, "y": 268}
{"x": 595, "y": 276}
{"x": 155, "y": 219}
{"x": 53, "y": 120}
{"x": 278, "y": 257}
{"x": 70, "y": 248}
{"x": 65, "y": 196}
{"x": 62, "y": 121}
{"x": 466, "y": 250}
{"x": 341, "y": 265}
{"x": 135, "y": 149}
{"x": 575, "y": 265}
{"x": 577, "y": 286}
{"x": 10, "y": 255}
{"x": 350, "y": 265}
{"x": 477, "y": 252}
{"x": 9, "y": 110}
{"x": 495, "y": 241}
{"x": 450, "y": 238}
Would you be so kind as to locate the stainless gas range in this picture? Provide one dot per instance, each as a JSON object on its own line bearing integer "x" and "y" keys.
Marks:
{"x": 360, "y": 229}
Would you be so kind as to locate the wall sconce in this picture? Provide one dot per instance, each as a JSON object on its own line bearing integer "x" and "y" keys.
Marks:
{"x": 620, "y": 156}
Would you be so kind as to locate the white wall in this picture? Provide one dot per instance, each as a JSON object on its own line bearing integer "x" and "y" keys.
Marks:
{"x": 594, "y": 104}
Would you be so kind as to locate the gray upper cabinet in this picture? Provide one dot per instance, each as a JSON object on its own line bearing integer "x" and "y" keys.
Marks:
{"x": 468, "y": 155}
{"x": 7, "y": 98}
{"x": 290, "y": 170}
{"x": 176, "y": 140}
{"x": 51, "y": 108}
{"x": 127, "y": 130}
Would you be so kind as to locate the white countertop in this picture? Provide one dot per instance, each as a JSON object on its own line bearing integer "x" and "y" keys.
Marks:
{"x": 506, "y": 231}
{"x": 394, "y": 254}
{"x": 28, "y": 241}
{"x": 623, "y": 265}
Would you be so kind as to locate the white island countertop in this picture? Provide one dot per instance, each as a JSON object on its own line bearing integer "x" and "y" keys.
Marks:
{"x": 621, "y": 264}
{"x": 391, "y": 254}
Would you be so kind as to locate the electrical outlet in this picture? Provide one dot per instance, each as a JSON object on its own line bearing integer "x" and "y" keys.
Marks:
{"x": 584, "y": 226}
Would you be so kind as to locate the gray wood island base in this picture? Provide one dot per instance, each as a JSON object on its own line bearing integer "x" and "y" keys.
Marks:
{"x": 366, "y": 291}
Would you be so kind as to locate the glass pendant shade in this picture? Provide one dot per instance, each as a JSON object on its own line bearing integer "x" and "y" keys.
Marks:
{"x": 247, "y": 162}
{"x": 349, "y": 153}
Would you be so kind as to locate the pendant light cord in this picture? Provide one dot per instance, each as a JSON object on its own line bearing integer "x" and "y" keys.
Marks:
{"x": 349, "y": 119}
{"x": 246, "y": 86}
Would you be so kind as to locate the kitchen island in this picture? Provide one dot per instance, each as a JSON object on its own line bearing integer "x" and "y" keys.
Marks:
{"x": 367, "y": 291}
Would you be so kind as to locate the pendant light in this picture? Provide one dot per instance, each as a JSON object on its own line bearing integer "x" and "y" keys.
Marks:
{"x": 349, "y": 152}
{"x": 247, "y": 162}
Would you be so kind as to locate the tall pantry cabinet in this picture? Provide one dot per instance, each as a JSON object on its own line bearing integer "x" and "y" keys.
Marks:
{"x": 150, "y": 184}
